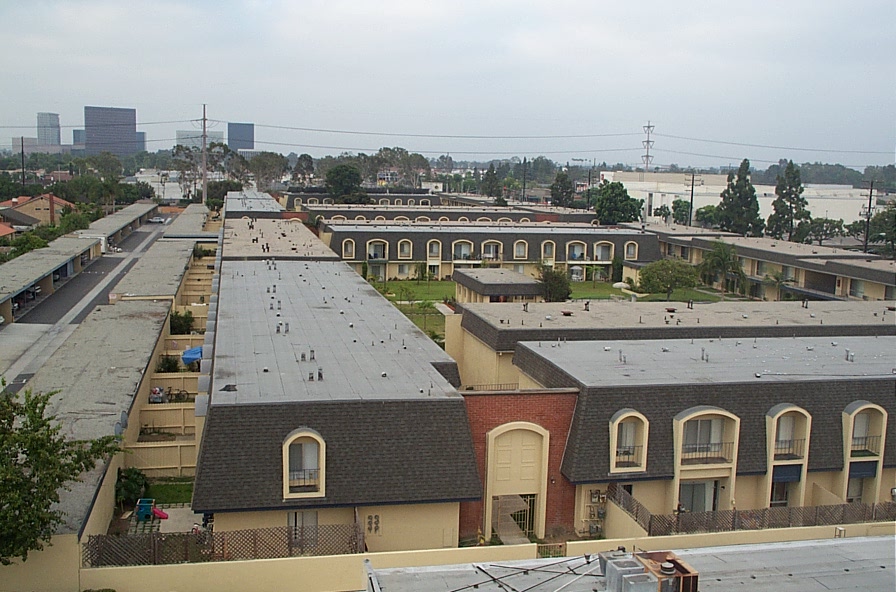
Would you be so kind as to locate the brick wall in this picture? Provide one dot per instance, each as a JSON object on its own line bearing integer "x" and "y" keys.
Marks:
{"x": 551, "y": 411}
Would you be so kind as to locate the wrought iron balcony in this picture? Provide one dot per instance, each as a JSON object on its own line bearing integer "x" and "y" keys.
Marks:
{"x": 707, "y": 453}
{"x": 789, "y": 449}
{"x": 629, "y": 456}
{"x": 865, "y": 446}
{"x": 304, "y": 480}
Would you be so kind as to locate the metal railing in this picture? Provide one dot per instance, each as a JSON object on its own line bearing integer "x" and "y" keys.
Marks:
{"x": 865, "y": 445}
{"x": 628, "y": 456}
{"x": 304, "y": 480}
{"x": 789, "y": 449}
{"x": 707, "y": 453}
{"x": 496, "y": 386}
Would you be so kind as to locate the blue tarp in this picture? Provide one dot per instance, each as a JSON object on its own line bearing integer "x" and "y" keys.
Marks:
{"x": 194, "y": 354}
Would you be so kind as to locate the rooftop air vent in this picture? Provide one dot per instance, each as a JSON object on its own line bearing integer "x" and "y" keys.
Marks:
{"x": 229, "y": 388}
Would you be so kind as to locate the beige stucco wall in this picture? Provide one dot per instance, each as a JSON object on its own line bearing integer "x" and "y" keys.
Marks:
{"x": 887, "y": 483}
{"x": 527, "y": 382}
{"x": 412, "y": 526}
{"x": 311, "y": 574}
{"x": 751, "y": 493}
{"x": 620, "y": 525}
{"x": 55, "y": 569}
{"x": 227, "y": 521}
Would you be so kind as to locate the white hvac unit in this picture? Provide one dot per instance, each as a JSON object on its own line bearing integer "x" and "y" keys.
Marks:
{"x": 642, "y": 582}
{"x": 618, "y": 568}
{"x": 604, "y": 556}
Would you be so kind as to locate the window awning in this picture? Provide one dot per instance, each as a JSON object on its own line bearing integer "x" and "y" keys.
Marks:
{"x": 787, "y": 473}
{"x": 860, "y": 470}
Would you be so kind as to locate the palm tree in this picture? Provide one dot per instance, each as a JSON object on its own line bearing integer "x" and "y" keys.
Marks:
{"x": 722, "y": 260}
{"x": 778, "y": 280}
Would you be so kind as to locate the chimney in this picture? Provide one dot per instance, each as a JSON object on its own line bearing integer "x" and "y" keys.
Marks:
{"x": 52, "y": 198}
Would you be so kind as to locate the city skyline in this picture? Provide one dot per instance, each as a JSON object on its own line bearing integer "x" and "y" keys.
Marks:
{"x": 482, "y": 81}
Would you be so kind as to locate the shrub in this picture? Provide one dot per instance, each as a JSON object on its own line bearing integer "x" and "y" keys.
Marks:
{"x": 130, "y": 486}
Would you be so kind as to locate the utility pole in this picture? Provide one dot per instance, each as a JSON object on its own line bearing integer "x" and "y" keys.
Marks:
{"x": 868, "y": 217}
{"x": 648, "y": 144}
{"x": 691, "y": 208}
{"x": 524, "y": 179}
{"x": 204, "y": 157}
{"x": 23, "y": 164}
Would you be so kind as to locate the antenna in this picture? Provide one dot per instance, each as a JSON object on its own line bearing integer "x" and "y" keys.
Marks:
{"x": 204, "y": 156}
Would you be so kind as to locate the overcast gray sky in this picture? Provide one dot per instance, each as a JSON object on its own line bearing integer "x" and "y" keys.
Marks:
{"x": 814, "y": 74}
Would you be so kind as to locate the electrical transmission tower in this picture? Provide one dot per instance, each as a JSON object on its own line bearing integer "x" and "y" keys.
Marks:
{"x": 648, "y": 144}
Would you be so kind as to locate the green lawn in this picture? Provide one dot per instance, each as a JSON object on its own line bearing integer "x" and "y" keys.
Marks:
{"x": 171, "y": 491}
{"x": 428, "y": 319}
{"x": 598, "y": 291}
{"x": 435, "y": 291}
{"x": 682, "y": 295}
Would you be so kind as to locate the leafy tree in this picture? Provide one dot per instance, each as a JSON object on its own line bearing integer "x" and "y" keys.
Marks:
{"x": 666, "y": 275}
{"x": 821, "y": 229}
{"x": 107, "y": 165}
{"x": 130, "y": 486}
{"x": 707, "y": 216}
{"x": 789, "y": 205}
{"x": 186, "y": 162}
{"x": 614, "y": 206}
{"x": 681, "y": 210}
{"x": 882, "y": 231}
{"x": 236, "y": 167}
{"x": 554, "y": 284}
{"x": 267, "y": 167}
{"x": 663, "y": 212}
{"x": 616, "y": 266}
{"x": 562, "y": 190}
{"x": 304, "y": 168}
{"x": 36, "y": 463}
{"x": 343, "y": 181}
{"x": 217, "y": 191}
{"x": 490, "y": 185}
{"x": 722, "y": 261}
{"x": 739, "y": 210}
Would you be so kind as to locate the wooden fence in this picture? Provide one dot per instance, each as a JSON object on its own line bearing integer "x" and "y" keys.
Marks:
{"x": 761, "y": 518}
{"x": 185, "y": 547}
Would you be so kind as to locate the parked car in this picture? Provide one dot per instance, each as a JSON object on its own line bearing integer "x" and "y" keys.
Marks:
{"x": 157, "y": 220}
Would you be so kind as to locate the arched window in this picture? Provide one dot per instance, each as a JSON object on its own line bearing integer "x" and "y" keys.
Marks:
{"x": 491, "y": 250}
{"x": 483, "y": 219}
{"x": 402, "y": 219}
{"x": 434, "y": 249}
{"x": 328, "y": 201}
{"x": 505, "y": 221}
{"x": 313, "y": 201}
{"x": 384, "y": 201}
{"x": 444, "y": 219}
{"x": 631, "y": 251}
{"x": 348, "y": 249}
{"x": 304, "y": 464}
{"x": 360, "y": 217}
{"x": 397, "y": 201}
{"x": 380, "y": 219}
{"x": 524, "y": 220}
{"x": 412, "y": 202}
{"x": 520, "y": 249}
{"x": 864, "y": 429}
{"x": 425, "y": 202}
{"x": 628, "y": 441}
{"x": 338, "y": 218}
{"x": 603, "y": 252}
{"x": 422, "y": 219}
{"x": 547, "y": 250}
{"x": 377, "y": 249}
{"x": 576, "y": 251}
{"x": 462, "y": 250}
{"x": 463, "y": 219}
{"x": 708, "y": 435}
{"x": 405, "y": 249}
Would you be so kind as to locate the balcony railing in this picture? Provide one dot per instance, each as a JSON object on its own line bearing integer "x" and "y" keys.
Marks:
{"x": 628, "y": 456}
{"x": 865, "y": 446}
{"x": 376, "y": 255}
{"x": 707, "y": 453}
{"x": 465, "y": 256}
{"x": 304, "y": 480}
{"x": 789, "y": 449}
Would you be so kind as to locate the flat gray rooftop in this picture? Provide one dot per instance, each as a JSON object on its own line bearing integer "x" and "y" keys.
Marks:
{"x": 97, "y": 371}
{"x": 190, "y": 224}
{"x": 112, "y": 223}
{"x": 356, "y": 335}
{"x": 21, "y": 272}
{"x": 864, "y": 563}
{"x": 158, "y": 272}
{"x": 249, "y": 201}
{"x": 283, "y": 239}
{"x": 681, "y": 230}
{"x": 495, "y": 276}
{"x": 700, "y": 361}
{"x": 606, "y": 314}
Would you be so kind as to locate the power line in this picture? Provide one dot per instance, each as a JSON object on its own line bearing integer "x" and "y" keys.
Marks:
{"x": 80, "y": 126}
{"x": 437, "y": 136}
{"x": 744, "y": 144}
{"x": 752, "y": 160}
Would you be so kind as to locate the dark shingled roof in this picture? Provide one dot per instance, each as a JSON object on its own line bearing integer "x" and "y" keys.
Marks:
{"x": 377, "y": 452}
{"x": 587, "y": 457}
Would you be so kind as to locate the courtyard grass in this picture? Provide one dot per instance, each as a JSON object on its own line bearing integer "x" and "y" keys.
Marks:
{"x": 434, "y": 291}
{"x": 175, "y": 490}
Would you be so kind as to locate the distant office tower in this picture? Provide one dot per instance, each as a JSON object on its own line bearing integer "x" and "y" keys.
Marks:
{"x": 141, "y": 141}
{"x": 241, "y": 136}
{"x": 110, "y": 129}
{"x": 79, "y": 138}
{"x": 193, "y": 138}
{"x": 48, "y": 129}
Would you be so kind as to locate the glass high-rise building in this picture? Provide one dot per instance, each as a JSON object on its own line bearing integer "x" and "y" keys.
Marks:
{"x": 48, "y": 129}
{"x": 110, "y": 129}
{"x": 241, "y": 136}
